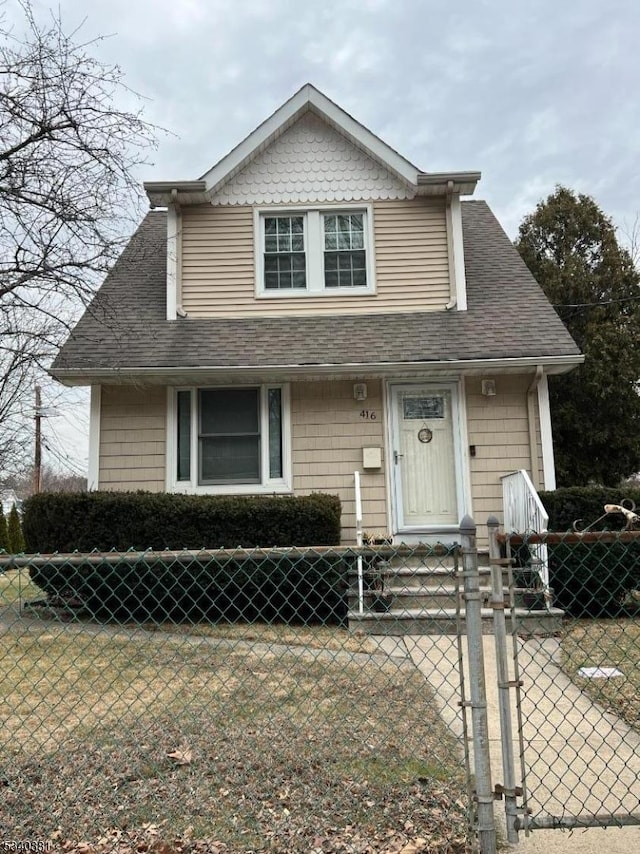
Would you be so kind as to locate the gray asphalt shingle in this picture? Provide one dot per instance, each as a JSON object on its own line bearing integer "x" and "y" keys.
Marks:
{"x": 508, "y": 316}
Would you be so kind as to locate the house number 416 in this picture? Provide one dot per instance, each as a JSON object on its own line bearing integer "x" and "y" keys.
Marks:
{"x": 368, "y": 414}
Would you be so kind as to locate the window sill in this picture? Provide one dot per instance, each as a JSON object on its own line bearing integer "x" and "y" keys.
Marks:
{"x": 307, "y": 294}
{"x": 276, "y": 488}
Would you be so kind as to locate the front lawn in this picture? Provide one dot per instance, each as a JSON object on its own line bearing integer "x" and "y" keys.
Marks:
{"x": 239, "y": 747}
{"x": 607, "y": 643}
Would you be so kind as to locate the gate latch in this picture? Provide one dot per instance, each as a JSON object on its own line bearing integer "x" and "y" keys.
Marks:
{"x": 499, "y": 791}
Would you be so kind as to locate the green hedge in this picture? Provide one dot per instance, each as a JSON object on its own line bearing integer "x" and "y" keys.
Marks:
{"x": 594, "y": 579}
{"x": 591, "y": 579}
{"x": 308, "y": 588}
{"x": 565, "y": 506}
{"x": 86, "y": 521}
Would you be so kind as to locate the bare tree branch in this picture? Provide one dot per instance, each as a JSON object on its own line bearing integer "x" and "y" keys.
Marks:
{"x": 68, "y": 192}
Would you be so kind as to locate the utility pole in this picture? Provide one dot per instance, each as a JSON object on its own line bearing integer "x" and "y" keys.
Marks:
{"x": 37, "y": 467}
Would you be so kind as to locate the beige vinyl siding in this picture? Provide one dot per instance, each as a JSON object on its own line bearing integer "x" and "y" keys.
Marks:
{"x": 328, "y": 434}
{"x": 411, "y": 255}
{"x": 132, "y": 438}
{"x": 499, "y": 428}
{"x": 412, "y": 263}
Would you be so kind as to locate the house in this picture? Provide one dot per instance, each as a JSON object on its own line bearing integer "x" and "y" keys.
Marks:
{"x": 312, "y": 306}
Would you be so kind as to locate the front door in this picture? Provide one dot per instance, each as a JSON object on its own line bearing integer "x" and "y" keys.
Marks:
{"x": 424, "y": 456}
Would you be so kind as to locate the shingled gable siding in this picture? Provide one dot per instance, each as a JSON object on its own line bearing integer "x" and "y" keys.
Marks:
{"x": 499, "y": 429}
{"x": 218, "y": 277}
{"x": 328, "y": 434}
{"x": 132, "y": 438}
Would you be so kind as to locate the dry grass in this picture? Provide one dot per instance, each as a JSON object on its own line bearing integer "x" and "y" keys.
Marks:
{"x": 16, "y": 586}
{"x": 607, "y": 643}
{"x": 280, "y": 751}
{"x": 312, "y": 637}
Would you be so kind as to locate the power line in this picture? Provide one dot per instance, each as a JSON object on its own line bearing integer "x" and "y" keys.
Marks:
{"x": 590, "y": 304}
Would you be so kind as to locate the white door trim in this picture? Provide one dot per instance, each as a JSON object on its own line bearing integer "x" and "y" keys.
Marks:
{"x": 461, "y": 454}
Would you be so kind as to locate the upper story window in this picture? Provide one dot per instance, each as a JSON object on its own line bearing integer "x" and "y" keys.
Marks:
{"x": 314, "y": 252}
{"x": 284, "y": 253}
{"x": 345, "y": 258}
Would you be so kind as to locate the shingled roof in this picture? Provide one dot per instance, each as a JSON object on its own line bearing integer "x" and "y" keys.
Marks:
{"x": 125, "y": 328}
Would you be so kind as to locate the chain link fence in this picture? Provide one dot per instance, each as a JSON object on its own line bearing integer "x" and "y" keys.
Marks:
{"x": 234, "y": 701}
{"x": 579, "y": 688}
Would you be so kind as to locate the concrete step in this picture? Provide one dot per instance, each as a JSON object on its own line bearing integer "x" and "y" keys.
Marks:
{"x": 409, "y": 598}
{"x": 420, "y": 556}
{"x": 435, "y": 578}
{"x": 438, "y": 621}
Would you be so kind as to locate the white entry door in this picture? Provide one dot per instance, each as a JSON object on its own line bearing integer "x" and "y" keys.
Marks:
{"x": 424, "y": 435}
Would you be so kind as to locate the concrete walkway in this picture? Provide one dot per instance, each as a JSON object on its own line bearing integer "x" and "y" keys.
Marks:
{"x": 579, "y": 758}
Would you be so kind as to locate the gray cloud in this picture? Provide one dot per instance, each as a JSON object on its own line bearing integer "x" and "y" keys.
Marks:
{"x": 532, "y": 94}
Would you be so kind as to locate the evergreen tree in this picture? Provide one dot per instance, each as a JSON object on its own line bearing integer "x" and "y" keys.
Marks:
{"x": 14, "y": 530}
{"x": 4, "y": 535}
{"x": 571, "y": 248}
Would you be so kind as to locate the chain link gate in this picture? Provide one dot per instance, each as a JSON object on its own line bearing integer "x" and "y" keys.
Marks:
{"x": 576, "y": 689}
{"x": 239, "y": 701}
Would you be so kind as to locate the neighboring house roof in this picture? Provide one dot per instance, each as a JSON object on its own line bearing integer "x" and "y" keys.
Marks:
{"x": 125, "y": 329}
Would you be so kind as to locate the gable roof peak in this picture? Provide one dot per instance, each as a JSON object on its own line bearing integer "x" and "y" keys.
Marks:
{"x": 309, "y": 99}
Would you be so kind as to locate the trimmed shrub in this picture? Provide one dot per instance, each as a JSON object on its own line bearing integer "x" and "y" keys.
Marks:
{"x": 102, "y": 521}
{"x": 591, "y": 579}
{"x": 14, "y": 532}
{"x": 261, "y": 586}
{"x": 565, "y": 506}
{"x": 594, "y": 579}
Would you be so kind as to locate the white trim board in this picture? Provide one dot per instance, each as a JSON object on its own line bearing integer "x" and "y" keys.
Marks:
{"x": 546, "y": 434}
{"x": 95, "y": 414}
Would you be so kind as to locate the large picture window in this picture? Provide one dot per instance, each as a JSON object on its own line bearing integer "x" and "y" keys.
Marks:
{"x": 230, "y": 439}
{"x": 314, "y": 251}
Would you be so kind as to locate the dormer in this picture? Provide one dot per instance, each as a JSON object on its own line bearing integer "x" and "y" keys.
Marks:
{"x": 313, "y": 214}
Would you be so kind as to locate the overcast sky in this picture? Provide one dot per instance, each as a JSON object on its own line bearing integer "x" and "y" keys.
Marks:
{"x": 530, "y": 92}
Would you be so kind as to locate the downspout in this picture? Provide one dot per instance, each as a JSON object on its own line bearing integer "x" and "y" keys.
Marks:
{"x": 531, "y": 417}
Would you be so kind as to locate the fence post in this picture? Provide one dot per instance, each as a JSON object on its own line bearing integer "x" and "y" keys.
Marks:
{"x": 502, "y": 672}
{"x": 477, "y": 689}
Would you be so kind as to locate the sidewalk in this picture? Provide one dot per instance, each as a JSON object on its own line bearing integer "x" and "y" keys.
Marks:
{"x": 579, "y": 758}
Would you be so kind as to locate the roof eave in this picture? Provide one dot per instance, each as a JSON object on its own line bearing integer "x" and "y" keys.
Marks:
{"x": 161, "y": 194}
{"x": 160, "y": 375}
{"x": 443, "y": 183}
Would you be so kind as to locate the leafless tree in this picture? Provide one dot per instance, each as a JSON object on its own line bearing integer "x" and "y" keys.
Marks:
{"x": 68, "y": 193}
{"x": 51, "y": 481}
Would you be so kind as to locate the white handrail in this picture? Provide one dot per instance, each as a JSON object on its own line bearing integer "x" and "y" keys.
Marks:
{"x": 358, "y": 494}
{"x": 524, "y": 513}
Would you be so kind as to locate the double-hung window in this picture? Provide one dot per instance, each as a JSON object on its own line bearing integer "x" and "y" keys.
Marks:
{"x": 313, "y": 252}
{"x": 230, "y": 439}
{"x": 345, "y": 258}
{"x": 284, "y": 253}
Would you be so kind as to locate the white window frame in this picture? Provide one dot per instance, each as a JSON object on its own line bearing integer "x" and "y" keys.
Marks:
{"x": 267, "y": 485}
{"x": 314, "y": 251}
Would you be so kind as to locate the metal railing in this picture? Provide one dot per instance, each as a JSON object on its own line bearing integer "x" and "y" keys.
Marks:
{"x": 358, "y": 496}
{"x": 524, "y": 513}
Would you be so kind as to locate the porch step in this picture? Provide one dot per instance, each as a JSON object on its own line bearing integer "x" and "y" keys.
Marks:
{"x": 429, "y": 621}
{"x": 417, "y": 591}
